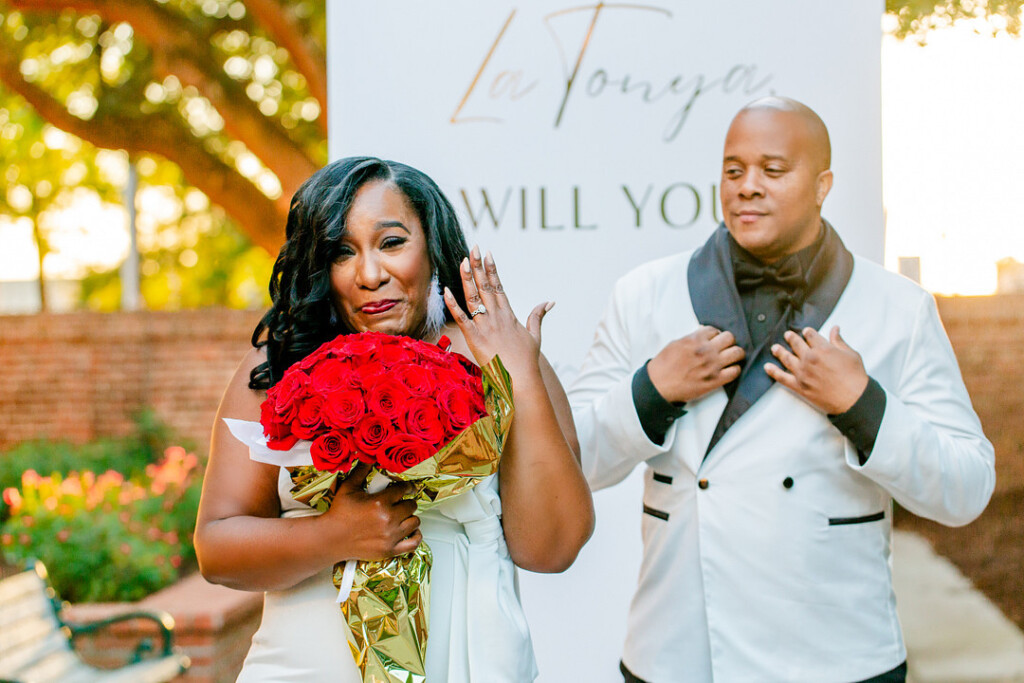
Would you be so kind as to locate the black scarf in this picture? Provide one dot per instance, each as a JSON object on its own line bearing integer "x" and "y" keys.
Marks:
{"x": 716, "y": 302}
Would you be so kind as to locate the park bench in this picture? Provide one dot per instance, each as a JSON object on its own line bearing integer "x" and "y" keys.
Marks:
{"x": 37, "y": 646}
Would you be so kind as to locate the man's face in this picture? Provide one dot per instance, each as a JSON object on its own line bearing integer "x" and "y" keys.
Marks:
{"x": 773, "y": 183}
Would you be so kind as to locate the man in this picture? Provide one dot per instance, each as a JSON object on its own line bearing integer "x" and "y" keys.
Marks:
{"x": 773, "y": 451}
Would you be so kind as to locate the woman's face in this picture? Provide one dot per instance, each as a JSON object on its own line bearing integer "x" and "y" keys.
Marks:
{"x": 381, "y": 278}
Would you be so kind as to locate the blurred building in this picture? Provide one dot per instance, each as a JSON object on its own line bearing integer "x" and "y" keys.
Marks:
{"x": 1009, "y": 276}
{"x": 910, "y": 266}
{"x": 22, "y": 296}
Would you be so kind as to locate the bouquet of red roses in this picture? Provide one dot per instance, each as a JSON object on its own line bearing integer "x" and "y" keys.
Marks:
{"x": 416, "y": 413}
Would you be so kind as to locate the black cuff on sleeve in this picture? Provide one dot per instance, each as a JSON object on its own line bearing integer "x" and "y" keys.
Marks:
{"x": 655, "y": 413}
{"x": 861, "y": 422}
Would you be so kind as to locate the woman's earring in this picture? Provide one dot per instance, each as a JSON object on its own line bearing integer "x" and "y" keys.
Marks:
{"x": 435, "y": 309}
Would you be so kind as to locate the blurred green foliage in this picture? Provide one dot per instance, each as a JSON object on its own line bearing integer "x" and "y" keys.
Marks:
{"x": 129, "y": 455}
{"x": 915, "y": 18}
{"x": 106, "y": 537}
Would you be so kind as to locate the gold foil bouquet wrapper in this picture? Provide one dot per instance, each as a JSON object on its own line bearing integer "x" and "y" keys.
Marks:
{"x": 387, "y": 608}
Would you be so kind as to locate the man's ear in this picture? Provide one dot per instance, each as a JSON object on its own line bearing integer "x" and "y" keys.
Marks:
{"x": 824, "y": 185}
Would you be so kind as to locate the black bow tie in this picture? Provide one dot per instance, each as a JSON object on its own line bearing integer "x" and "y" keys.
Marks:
{"x": 786, "y": 274}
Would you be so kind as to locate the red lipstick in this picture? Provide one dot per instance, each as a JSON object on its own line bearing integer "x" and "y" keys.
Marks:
{"x": 375, "y": 307}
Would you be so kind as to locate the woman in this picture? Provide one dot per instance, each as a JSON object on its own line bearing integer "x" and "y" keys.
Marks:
{"x": 370, "y": 246}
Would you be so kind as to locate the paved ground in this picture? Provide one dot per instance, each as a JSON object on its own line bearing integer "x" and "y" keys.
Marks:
{"x": 954, "y": 634}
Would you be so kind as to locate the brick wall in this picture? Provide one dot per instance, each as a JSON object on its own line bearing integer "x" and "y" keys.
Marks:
{"x": 78, "y": 376}
{"x": 81, "y": 375}
{"x": 987, "y": 334}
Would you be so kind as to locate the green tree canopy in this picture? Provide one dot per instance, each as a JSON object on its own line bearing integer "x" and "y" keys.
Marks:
{"x": 917, "y": 17}
{"x": 233, "y": 93}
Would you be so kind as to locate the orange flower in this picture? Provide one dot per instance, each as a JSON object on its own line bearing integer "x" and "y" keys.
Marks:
{"x": 12, "y": 497}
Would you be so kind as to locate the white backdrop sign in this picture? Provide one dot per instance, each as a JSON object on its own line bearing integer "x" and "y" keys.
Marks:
{"x": 577, "y": 141}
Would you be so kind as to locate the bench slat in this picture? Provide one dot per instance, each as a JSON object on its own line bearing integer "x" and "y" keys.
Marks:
{"x": 19, "y": 584}
{"x": 25, "y": 608}
{"x": 15, "y": 660}
{"x": 57, "y": 666}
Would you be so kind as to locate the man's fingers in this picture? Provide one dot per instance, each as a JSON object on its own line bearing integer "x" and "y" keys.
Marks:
{"x": 781, "y": 376}
{"x": 706, "y": 332}
{"x": 796, "y": 342}
{"x": 788, "y": 359}
{"x": 732, "y": 355}
{"x": 723, "y": 340}
{"x": 728, "y": 374}
{"x": 813, "y": 338}
{"x": 837, "y": 339}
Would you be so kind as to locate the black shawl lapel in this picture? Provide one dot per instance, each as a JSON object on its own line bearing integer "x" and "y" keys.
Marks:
{"x": 712, "y": 287}
{"x": 716, "y": 302}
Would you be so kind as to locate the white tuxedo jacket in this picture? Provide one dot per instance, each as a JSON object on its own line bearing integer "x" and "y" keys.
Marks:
{"x": 769, "y": 560}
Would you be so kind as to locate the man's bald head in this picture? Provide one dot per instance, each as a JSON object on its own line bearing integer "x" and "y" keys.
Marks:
{"x": 815, "y": 130}
{"x": 775, "y": 177}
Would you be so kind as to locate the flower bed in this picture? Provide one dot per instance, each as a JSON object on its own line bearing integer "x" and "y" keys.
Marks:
{"x": 105, "y": 537}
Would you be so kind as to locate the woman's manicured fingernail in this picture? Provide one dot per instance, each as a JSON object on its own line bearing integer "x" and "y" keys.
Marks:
{"x": 549, "y": 306}
{"x": 475, "y": 252}
{"x": 465, "y": 266}
{"x": 488, "y": 259}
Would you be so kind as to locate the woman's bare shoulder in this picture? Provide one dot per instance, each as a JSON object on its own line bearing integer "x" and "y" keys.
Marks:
{"x": 239, "y": 400}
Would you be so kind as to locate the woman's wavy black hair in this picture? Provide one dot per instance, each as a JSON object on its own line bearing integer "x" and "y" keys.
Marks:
{"x": 301, "y": 315}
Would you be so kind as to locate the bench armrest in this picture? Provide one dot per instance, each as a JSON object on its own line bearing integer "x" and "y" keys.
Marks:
{"x": 163, "y": 620}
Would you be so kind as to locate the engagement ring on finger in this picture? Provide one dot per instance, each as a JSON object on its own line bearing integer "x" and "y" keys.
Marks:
{"x": 477, "y": 311}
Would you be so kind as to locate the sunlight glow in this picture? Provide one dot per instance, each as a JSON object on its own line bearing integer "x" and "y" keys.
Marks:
{"x": 952, "y": 149}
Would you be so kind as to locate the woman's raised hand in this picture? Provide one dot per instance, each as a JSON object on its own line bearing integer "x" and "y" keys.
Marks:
{"x": 490, "y": 327}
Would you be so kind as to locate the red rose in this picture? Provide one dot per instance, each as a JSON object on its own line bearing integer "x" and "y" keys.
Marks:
{"x": 402, "y": 452}
{"x": 457, "y": 408}
{"x": 288, "y": 393}
{"x": 278, "y": 433}
{"x": 365, "y": 375}
{"x": 432, "y": 353}
{"x": 423, "y": 420}
{"x": 330, "y": 374}
{"x": 310, "y": 419}
{"x": 388, "y": 398}
{"x": 466, "y": 364}
{"x": 343, "y": 409}
{"x": 358, "y": 347}
{"x": 312, "y": 359}
{"x": 333, "y": 452}
{"x": 394, "y": 354}
{"x": 371, "y": 435}
{"x": 418, "y": 379}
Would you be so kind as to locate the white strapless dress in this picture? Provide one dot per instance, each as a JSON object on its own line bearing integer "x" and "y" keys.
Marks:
{"x": 478, "y": 631}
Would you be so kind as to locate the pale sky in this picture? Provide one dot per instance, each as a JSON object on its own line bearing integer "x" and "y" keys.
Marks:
{"x": 953, "y": 163}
